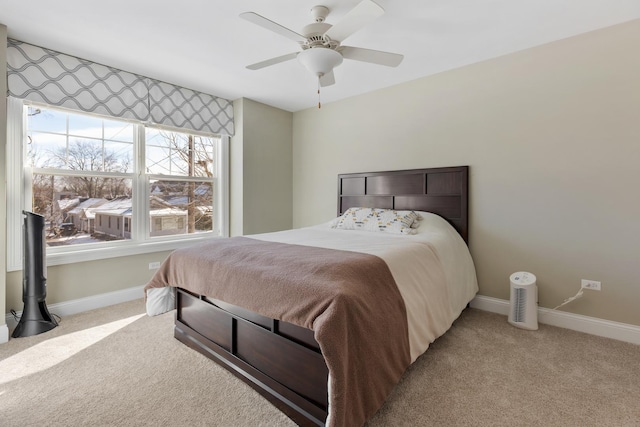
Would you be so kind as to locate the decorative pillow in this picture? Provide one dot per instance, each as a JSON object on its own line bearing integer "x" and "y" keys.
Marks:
{"x": 412, "y": 214}
{"x": 373, "y": 219}
{"x": 416, "y": 218}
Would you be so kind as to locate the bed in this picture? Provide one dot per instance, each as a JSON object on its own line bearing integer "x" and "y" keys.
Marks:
{"x": 335, "y": 359}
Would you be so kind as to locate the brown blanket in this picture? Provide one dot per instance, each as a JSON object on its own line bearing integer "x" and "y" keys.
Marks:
{"x": 349, "y": 299}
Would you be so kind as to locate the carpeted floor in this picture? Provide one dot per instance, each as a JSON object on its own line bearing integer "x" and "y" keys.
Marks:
{"x": 117, "y": 367}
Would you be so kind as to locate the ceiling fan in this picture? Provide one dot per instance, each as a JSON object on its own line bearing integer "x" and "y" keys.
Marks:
{"x": 321, "y": 42}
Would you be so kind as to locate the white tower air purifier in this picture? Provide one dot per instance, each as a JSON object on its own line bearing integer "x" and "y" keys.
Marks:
{"x": 523, "y": 311}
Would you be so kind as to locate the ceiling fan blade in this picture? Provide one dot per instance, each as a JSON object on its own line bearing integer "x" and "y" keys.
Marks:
{"x": 327, "y": 79}
{"x": 365, "y": 12}
{"x": 373, "y": 56}
{"x": 273, "y": 26}
{"x": 272, "y": 61}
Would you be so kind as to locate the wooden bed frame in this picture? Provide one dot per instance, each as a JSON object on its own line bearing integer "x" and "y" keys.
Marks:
{"x": 283, "y": 361}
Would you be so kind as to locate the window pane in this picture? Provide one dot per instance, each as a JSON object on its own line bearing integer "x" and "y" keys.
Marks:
{"x": 158, "y": 162}
{"x": 154, "y": 137}
{"x": 204, "y": 156}
{"x": 118, "y": 131}
{"x": 180, "y": 154}
{"x": 49, "y": 120}
{"x": 179, "y": 165}
{"x": 81, "y": 125}
{"x": 46, "y": 150}
{"x": 119, "y": 157}
{"x": 85, "y": 155}
{"x": 79, "y": 209}
{"x": 180, "y": 207}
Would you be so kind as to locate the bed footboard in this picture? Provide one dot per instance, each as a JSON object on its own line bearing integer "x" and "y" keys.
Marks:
{"x": 279, "y": 360}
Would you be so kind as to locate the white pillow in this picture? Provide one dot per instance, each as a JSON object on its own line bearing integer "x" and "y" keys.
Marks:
{"x": 160, "y": 300}
{"x": 374, "y": 219}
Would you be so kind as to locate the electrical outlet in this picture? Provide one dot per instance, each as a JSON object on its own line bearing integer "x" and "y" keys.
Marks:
{"x": 154, "y": 265}
{"x": 594, "y": 285}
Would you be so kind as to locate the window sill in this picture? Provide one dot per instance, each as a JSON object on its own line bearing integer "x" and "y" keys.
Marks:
{"x": 125, "y": 249}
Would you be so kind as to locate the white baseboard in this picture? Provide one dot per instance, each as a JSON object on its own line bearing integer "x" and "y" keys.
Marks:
{"x": 563, "y": 319}
{"x": 4, "y": 334}
{"x": 68, "y": 308}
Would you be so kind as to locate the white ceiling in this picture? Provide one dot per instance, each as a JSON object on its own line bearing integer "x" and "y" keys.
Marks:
{"x": 204, "y": 45}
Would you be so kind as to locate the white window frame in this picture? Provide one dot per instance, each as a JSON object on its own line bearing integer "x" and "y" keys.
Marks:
{"x": 19, "y": 199}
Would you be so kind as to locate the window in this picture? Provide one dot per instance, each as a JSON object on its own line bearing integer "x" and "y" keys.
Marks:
{"x": 181, "y": 169}
{"x": 79, "y": 164}
{"x": 87, "y": 175}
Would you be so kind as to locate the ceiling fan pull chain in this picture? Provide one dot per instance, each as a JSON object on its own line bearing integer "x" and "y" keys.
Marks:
{"x": 319, "y": 105}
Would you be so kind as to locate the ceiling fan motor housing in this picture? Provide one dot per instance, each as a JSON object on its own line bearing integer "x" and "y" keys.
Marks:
{"x": 315, "y": 36}
{"x": 319, "y": 13}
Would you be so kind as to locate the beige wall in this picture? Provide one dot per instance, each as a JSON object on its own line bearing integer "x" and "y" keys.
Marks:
{"x": 236, "y": 178}
{"x": 84, "y": 279}
{"x": 552, "y": 138}
{"x": 3, "y": 176}
{"x": 261, "y": 177}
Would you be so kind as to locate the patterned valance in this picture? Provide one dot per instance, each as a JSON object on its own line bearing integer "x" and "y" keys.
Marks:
{"x": 53, "y": 78}
{"x": 184, "y": 108}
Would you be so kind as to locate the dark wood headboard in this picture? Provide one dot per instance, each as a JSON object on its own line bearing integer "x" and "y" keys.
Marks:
{"x": 443, "y": 191}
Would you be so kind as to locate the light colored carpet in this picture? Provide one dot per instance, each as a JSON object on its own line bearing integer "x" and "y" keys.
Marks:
{"x": 117, "y": 367}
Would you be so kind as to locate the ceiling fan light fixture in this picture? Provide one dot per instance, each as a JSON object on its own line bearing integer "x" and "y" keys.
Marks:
{"x": 320, "y": 60}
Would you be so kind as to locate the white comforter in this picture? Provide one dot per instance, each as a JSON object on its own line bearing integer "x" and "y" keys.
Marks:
{"x": 433, "y": 270}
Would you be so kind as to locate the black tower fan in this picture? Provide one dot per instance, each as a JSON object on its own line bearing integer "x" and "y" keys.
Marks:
{"x": 35, "y": 317}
